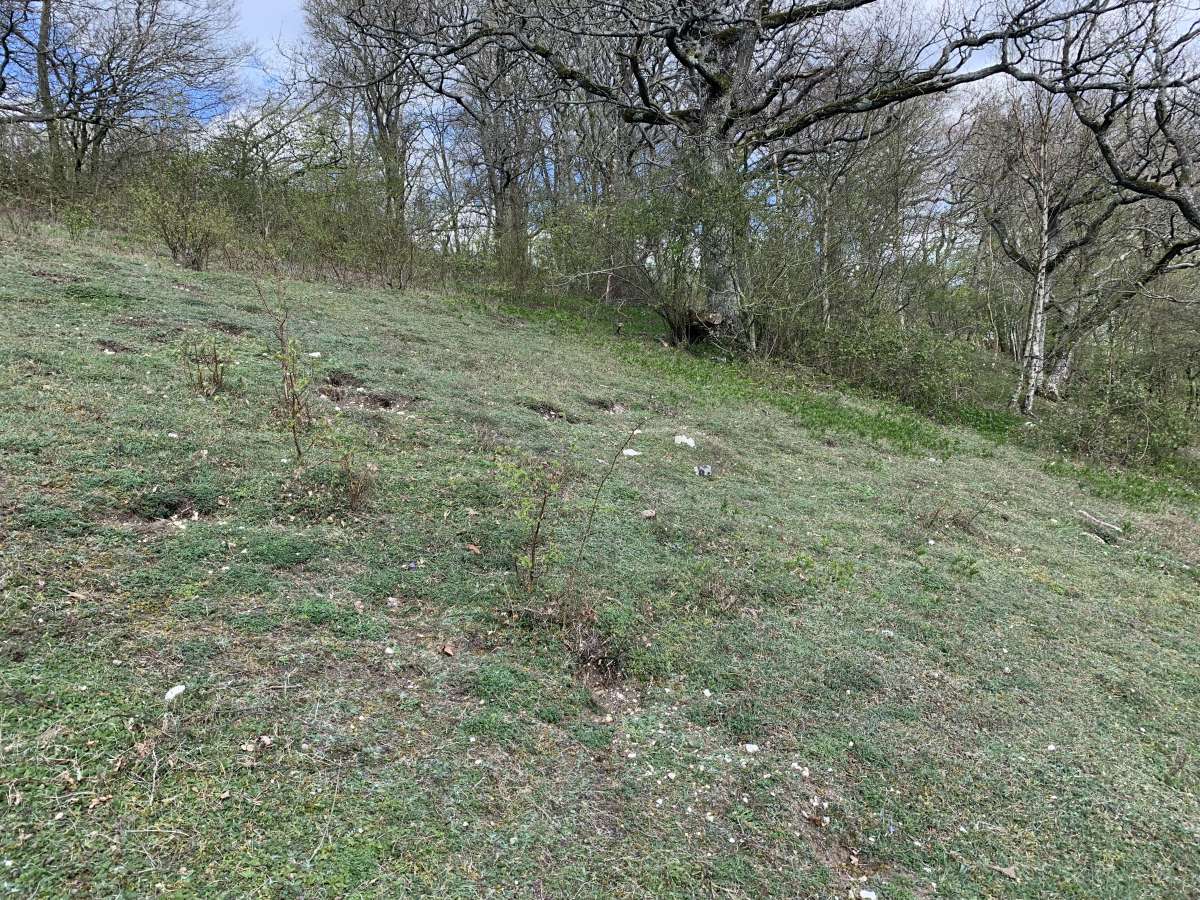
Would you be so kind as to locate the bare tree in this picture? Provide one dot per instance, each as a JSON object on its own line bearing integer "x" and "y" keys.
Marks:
{"x": 350, "y": 60}
{"x": 1037, "y": 182}
{"x": 15, "y": 19}
{"x": 1129, "y": 73}
{"x": 101, "y": 66}
{"x": 740, "y": 83}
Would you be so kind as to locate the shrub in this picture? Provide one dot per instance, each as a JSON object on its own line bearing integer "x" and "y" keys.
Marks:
{"x": 293, "y": 394}
{"x": 1122, "y": 418}
{"x": 78, "y": 220}
{"x": 182, "y": 203}
{"x": 913, "y": 365}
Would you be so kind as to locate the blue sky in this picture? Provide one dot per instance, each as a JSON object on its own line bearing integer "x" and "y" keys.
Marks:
{"x": 265, "y": 21}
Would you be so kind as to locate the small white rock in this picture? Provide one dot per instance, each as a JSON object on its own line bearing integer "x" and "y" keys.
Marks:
{"x": 752, "y": 748}
{"x": 684, "y": 441}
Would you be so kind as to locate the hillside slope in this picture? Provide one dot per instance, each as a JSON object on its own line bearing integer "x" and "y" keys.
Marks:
{"x": 866, "y": 654}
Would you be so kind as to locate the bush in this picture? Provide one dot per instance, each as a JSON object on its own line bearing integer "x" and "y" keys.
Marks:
{"x": 182, "y": 203}
{"x": 913, "y": 365}
{"x": 1122, "y": 418}
{"x": 78, "y": 220}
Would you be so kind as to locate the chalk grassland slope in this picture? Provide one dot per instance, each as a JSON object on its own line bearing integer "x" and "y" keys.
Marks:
{"x": 867, "y": 654}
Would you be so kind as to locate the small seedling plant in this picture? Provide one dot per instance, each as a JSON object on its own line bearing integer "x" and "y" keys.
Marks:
{"x": 205, "y": 367}
{"x": 293, "y": 392}
{"x": 566, "y": 608}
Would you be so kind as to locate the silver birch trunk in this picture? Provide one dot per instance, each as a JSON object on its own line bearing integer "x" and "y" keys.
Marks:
{"x": 1033, "y": 362}
{"x": 1060, "y": 374}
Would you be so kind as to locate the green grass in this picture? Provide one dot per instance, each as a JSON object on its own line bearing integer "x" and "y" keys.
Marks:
{"x": 944, "y": 673}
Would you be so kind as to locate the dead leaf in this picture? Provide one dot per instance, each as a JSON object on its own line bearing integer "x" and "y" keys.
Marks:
{"x": 474, "y": 549}
{"x": 1006, "y": 871}
{"x": 51, "y": 734}
{"x": 448, "y": 649}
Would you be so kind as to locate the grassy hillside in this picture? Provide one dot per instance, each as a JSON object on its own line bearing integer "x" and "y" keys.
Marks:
{"x": 866, "y": 654}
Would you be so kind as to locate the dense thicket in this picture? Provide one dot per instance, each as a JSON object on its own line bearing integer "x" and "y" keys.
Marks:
{"x": 965, "y": 208}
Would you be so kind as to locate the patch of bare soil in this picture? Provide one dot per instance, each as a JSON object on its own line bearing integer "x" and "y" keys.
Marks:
{"x": 229, "y": 328}
{"x": 55, "y": 277}
{"x": 552, "y": 413}
{"x": 110, "y": 346}
{"x": 347, "y": 389}
{"x": 612, "y": 407}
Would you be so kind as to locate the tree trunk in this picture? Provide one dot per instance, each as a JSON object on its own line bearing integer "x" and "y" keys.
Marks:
{"x": 1060, "y": 373}
{"x": 724, "y": 267}
{"x": 393, "y": 154}
{"x": 1033, "y": 362}
{"x": 826, "y": 261}
{"x": 45, "y": 101}
{"x": 512, "y": 232}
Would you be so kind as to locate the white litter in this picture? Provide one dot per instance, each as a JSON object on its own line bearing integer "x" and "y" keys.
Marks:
{"x": 629, "y": 451}
{"x": 173, "y": 693}
{"x": 684, "y": 440}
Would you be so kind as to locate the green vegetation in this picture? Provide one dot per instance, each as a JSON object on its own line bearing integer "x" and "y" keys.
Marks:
{"x": 871, "y": 651}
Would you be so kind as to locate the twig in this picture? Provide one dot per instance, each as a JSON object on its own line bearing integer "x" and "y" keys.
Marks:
{"x": 568, "y": 588}
{"x": 531, "y": 577}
